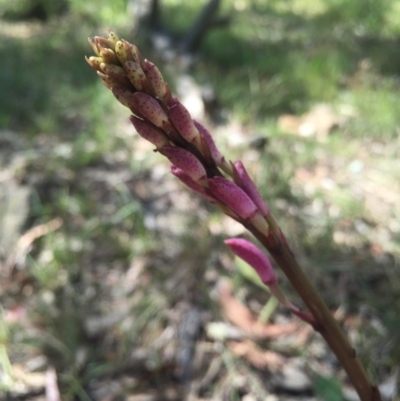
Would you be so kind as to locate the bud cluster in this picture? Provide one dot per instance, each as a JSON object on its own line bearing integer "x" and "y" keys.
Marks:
{"x": 164, "y": 121}
{"x": 195, "y": 159}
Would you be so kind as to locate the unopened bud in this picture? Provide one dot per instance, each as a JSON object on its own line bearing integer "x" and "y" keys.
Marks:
{"x": 185, "y": 178}
{"x": 187, "y": 162}
{"x": 103, "y": 42}
{"x": 241, "y": 178}
{"x": 150, "y": 132}
{"x": 183, "y": 122}
{"x": 233, "y": 196}
{"x": 121, "y": 52}
{"x": 108, "y": 82}
{"x": 156, "y": 80}
{"x": 124, "y": 96}
{"x": 117, "y": 73}
{"x": 133, "y": 53}
{"x": 112, "y": 36}
{"x": 94, "y": 47}
{"x": 136, "y": 75}
{"x": 215, "y": 153}
{"x": 108, "y": 56}
{"x": 150, "y": 109}
{"x": 94, "y": 62}
{"x": 255, "y": 258}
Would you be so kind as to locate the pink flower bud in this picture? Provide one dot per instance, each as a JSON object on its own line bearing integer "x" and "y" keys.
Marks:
{"x": 187, "y": 162}
{"x": 150, "y": 132}
{"x": 215, "y": 153}
{"x": 241, "y": 178}
{"x": 233, "y": 196}
{"x": 136, "y": 75}
{"x": 124, "y": 96}
{"x": 117, "y": 73}
{"x": 182, "y": 121}
{"x": 177, "y": 172}
{"x": 159, "y": 86}
{"x": 255, "y": 258}
{"x": 109, "y": 82}
{"x": 150, "y": 109}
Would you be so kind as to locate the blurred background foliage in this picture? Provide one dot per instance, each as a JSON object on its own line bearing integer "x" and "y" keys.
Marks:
{"x": 124, "y": 253}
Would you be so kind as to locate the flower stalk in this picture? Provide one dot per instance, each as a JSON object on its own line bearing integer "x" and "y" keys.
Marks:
{"x": 161, "y": 119}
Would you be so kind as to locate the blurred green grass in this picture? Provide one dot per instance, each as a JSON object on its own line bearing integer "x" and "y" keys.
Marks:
{"x": 275, "y": 57}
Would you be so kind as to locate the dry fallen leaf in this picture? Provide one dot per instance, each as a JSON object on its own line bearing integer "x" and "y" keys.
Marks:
{"x": 319, "y": 122}
{"x": 243, "y": 318}
{"x": 256, "y": 356}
